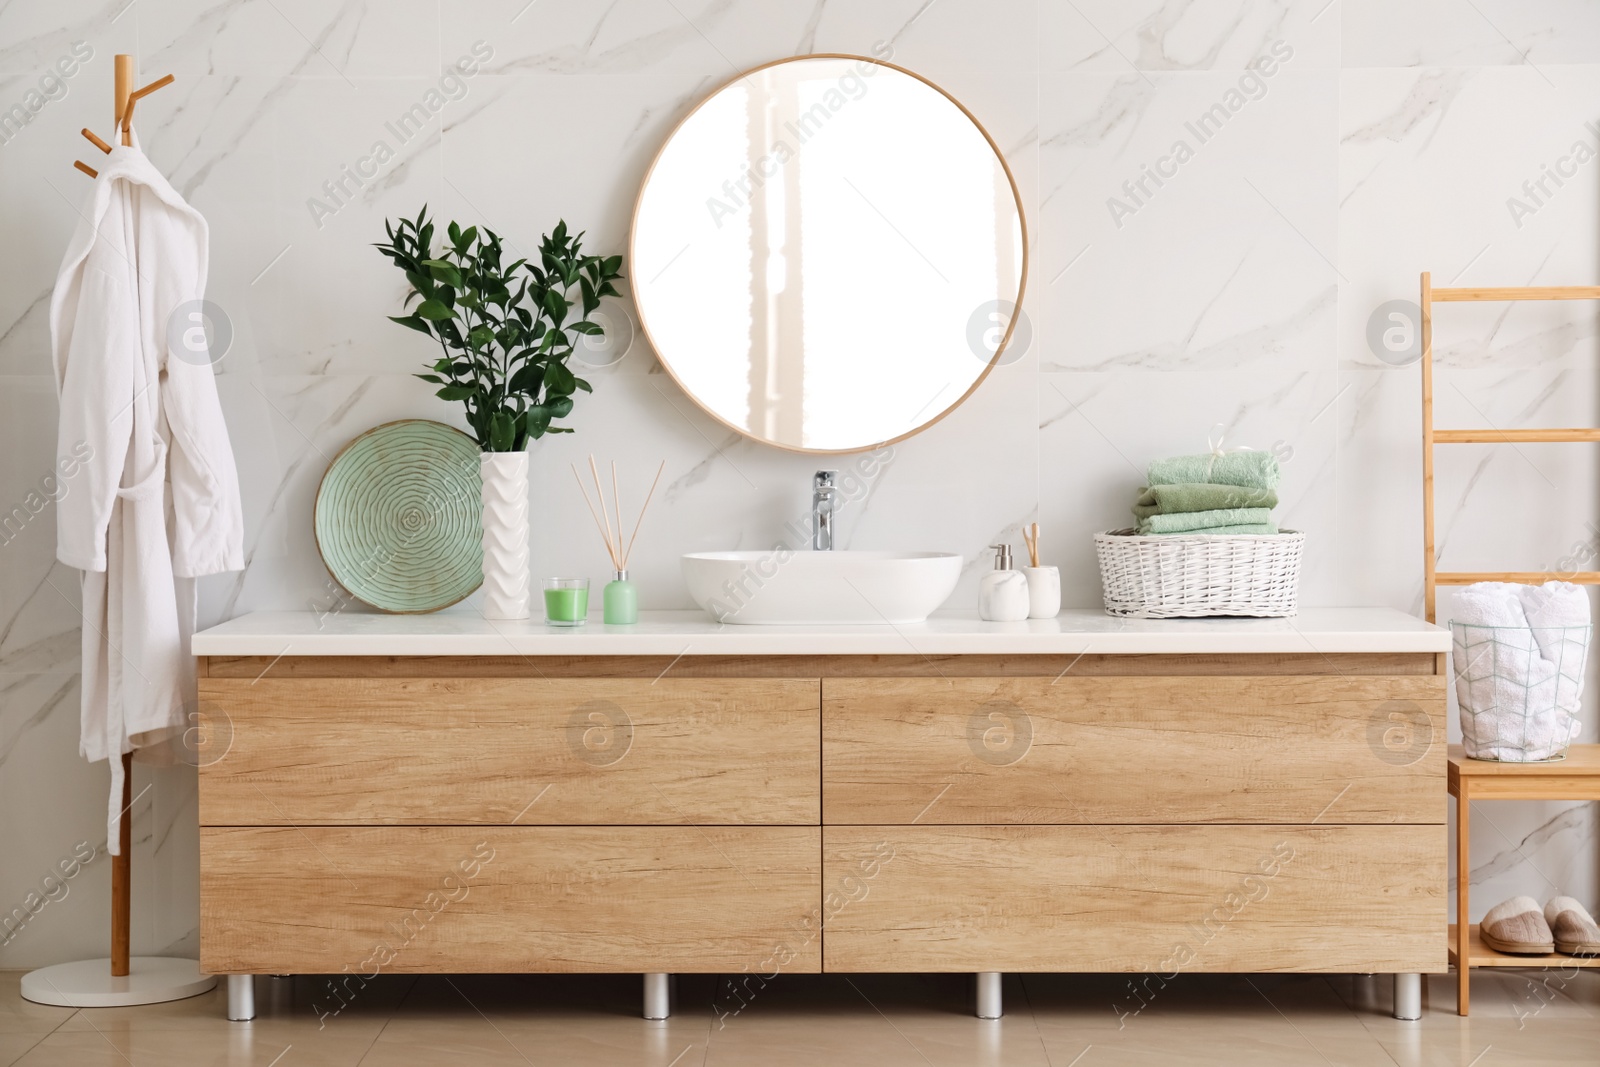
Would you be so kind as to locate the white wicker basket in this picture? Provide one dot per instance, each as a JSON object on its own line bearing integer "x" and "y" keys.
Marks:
{"x": 1193, "y": 575}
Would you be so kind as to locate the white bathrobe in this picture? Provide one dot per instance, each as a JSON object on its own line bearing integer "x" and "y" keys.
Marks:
{"x": 150, "y": 493}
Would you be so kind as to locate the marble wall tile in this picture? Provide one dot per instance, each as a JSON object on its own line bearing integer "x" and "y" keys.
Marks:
{"x": 1151, "y": 35}
{"x": 1469, "y": 33}
{"x": 1172, "y": 245}
{"x": 389, "y": 38}
{"x": 718, "y": 39}
{"x": 1235, "y": 298}
{"x": 34, "y": 36}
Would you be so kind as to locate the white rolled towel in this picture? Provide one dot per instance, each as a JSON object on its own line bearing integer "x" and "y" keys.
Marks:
{"x": 1519, "y": 700}
{"x": 1558, "y": 615}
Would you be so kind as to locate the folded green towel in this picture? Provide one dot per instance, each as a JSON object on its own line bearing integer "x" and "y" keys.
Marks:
{"x": 1204, "y": 521}
{"x": 1244, "y": 528}
{"x": 1200, "y": 496}
{"x": 1253, "y": 470}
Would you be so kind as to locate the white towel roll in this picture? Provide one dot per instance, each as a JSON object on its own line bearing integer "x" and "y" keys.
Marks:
{"x": 1519, "y": 654}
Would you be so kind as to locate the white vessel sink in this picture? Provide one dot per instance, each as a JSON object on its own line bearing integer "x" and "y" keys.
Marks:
{"x": 820, "y": 587}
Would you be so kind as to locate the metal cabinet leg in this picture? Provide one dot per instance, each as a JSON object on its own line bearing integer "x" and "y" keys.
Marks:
{"x": 1408, "y": 996}
{"x": 989, "y": 1000}
{"x": 241, "y": 997}
{"x": 657, "y": 996}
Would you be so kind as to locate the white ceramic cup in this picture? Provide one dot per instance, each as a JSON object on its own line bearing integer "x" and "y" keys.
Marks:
{"x": 1044, "y": 592}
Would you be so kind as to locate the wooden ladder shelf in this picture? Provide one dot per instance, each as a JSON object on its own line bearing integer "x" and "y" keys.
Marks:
{"x": 1432, "y": 576}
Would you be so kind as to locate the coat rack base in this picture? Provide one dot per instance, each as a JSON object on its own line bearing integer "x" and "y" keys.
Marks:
{"x": 89, "y": 984}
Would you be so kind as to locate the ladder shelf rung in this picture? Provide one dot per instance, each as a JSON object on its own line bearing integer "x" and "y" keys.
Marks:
{"x": 1520, "y": 292}
{"x": 1520, "y": 577}
{"x": 1500, "y": 437}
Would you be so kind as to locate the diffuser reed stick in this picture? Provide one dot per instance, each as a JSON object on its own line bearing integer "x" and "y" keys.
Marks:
{"x": 615, "y": 548}
{"x": 1030, "y": 537}
{"x": 647, "y": 498}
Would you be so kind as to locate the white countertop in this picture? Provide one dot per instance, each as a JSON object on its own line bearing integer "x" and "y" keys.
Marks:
{"x": 677, "y": 633}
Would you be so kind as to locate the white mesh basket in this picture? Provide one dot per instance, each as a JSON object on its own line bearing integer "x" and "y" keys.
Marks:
{"x": 1520, "y": 689}
{"x": 1197, "y": 575}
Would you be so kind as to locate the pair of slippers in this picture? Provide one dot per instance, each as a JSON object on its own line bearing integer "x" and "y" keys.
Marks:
{"x": 1518, "y": 928}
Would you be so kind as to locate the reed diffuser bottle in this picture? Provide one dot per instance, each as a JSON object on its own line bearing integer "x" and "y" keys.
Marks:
{"x": 620, "y": 599}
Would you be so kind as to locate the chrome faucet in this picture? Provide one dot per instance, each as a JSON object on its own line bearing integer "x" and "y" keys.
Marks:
{"x": 824, "y": 500}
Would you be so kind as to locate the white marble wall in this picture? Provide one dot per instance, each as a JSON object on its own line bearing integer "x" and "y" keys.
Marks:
{"x": 1386, "y": 142}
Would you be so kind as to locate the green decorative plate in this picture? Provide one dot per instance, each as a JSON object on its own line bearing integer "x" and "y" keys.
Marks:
{"x": 398, "y": 519}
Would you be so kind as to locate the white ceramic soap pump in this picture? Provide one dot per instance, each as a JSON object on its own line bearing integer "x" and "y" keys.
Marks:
{"x": 1003, "y": 592}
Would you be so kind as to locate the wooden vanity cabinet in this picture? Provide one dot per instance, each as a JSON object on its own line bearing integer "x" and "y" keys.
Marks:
{"x": 806, "y": 813}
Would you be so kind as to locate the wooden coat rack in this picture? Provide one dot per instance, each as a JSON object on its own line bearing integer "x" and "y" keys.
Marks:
{"x": 120, "y": 980}
{"x": 124, "y": 97}
{"x": 122, "y": 125}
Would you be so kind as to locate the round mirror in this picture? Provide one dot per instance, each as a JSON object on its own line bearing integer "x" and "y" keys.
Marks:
{"x": 828, "y": 254}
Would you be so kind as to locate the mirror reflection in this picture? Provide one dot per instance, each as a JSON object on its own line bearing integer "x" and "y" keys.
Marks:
{"x": 827, "y": 254}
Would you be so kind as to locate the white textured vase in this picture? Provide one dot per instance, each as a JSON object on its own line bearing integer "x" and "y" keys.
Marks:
{"x": 505, "y": 535}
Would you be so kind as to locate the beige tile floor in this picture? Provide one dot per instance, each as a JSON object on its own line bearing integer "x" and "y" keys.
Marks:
{"x": 1519, "y": 1018}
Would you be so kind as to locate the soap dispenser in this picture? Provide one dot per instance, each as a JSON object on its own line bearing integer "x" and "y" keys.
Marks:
{"x": 1003, "y": 592}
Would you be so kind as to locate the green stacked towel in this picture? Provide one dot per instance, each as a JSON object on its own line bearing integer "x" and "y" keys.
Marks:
{"x": 1220, "y": 520}
{"x": 1250, "y": 528}
{"x": 1212, "y": 493}
{"x": 1200, "y": 496}
{"x": 1253, "y": 470}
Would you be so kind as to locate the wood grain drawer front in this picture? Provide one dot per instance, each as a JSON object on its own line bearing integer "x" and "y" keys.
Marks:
{"x": 335, "y": 751}
{"x": 1123, "y": 898}
{"x": 506, "y": 899}
{"x": 1134, "y": 750}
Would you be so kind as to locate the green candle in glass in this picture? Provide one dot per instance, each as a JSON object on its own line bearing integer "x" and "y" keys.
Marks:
{"x": 566, "y": 601}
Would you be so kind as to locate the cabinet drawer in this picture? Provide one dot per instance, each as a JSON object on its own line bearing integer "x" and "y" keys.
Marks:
{"x": 1124, "y": 898}
{"x": 1134, "y": 750}
{"x": 486, "y": 751}
{"x": 506, "y": 899}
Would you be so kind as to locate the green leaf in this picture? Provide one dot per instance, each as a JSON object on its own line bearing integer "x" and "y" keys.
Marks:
{"x": 413, "y": 322}
{"x": 558, "y": 380}
{"x": 560, "y": 407}
{"x": 526, "y": 380}
{"x": 611, "y": 265}
{"x": 502, "y": 432}
{"x": 455, "y": 392}
{"x": 434, "y": 378}
{"x": 556, "y": 305}
{"x": 444, "y": 272}
{"x": 434, "y": 310}
{"x": 581, "y": 384}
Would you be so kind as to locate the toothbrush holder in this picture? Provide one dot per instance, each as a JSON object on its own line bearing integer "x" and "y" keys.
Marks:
{"x": 1044, "y": 592}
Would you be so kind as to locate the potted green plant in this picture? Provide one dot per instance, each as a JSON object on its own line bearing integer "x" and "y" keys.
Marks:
{"x": 506, "y": 334}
